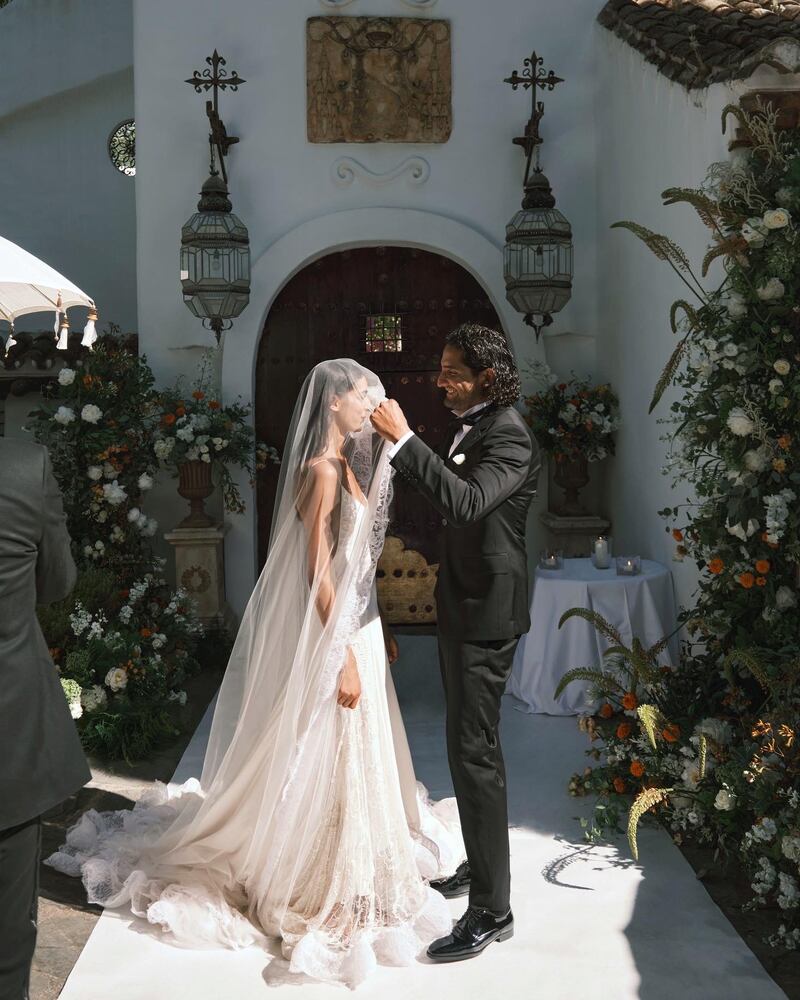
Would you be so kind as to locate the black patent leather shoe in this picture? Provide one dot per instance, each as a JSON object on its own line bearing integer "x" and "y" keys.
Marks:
{"x": 454, "y": 885}
{"x": 474, "y": 932}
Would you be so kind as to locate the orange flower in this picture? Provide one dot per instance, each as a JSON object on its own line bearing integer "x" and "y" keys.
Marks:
{"x": 619, "y": 785}
{"x": 213, "y": 404}
{"x": 629, "y": 701}
{"x": 671, "y": 732}
{"x": 637, "y": 768}
{"x": 623, "y": 730}
{"x": 87, "y": 380}
{"x": 785, "y": 441}
{"x": 606, "y": 711}
{"x": 779, "y": 464}
{"x": 762, "y": 566}
{"x": 761, "y": 581}
{"x": 747, "y": 580}
{"x": 181, "y": 410}
{"x": 145, "y": 633}
{"x": 677, "y": 534}
{"x": 716, "y": 565}
{"x": 198, "y": 394}
{"x": 169, "y": 418}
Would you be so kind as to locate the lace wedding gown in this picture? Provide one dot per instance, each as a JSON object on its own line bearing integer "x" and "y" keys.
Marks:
{"x": 360, "y": 897}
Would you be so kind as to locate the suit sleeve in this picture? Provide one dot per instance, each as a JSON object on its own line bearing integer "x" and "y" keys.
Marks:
{"x": 55, "y": 567}
{"x": 503, "y": 469}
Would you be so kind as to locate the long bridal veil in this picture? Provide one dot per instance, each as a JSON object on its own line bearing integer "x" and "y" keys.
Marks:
{"x": 202, "y": 858}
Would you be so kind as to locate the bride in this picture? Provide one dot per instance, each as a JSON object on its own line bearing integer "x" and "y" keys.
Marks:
{"x": 307, "y": 823}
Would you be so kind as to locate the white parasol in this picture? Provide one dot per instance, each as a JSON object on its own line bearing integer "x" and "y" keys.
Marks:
{"x": 28, "y": 285}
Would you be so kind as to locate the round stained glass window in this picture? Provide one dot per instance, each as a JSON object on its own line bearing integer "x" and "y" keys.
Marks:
{"x": 122, "y": 147}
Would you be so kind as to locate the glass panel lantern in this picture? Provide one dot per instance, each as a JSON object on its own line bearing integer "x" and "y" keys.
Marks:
{"x": 538, "y": 256}
{"x": 215, "y": 258}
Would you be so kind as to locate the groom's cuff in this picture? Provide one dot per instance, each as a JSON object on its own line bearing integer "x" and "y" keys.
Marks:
{"x": 399, "y": 444}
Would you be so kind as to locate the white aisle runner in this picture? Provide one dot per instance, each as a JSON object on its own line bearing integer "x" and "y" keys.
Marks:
{"x": 589, "y": 922}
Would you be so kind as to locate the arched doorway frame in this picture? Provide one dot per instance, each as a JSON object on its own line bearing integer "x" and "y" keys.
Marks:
{"x": 301, "y": 246}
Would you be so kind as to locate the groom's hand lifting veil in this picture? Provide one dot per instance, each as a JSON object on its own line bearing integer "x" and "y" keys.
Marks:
{"x": 390, "y": 421}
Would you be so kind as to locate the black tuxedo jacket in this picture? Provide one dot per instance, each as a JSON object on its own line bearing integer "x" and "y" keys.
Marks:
{"x": 483, "y": 497}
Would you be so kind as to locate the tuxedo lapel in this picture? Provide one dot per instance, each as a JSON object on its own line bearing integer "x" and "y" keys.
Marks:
{"x": 475, "y": 433}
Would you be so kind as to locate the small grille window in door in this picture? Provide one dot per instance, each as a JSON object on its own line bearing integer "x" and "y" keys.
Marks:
{"x": 384, "y": 333}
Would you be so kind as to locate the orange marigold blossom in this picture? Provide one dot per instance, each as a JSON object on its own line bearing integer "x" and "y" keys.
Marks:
{"x": 716, "y": 565}
{"x": 169, "y": 418}
{"x": 213, "y": 404}
{"x": 746, "y": 580}
{"x": 785, "y": 441}
{"x": 779, "y": 464}
{"x": 181, "y": 410}
{"x": 198, "y": 394}
{"x": 619, "y": 785}
{"x": 761, "y": 581}
{"x": 623, "y": 730}
{"x": 762, "y": 566}
{"x": 606, "y": 711}
{"x": 629, "y": 701}
{"x": 637, "y": 768}
{"x": 671, "y": 732}
{"x": 87, "y": 380}
{"x": 677, "y": 534}
{"x": 145, "y": 633}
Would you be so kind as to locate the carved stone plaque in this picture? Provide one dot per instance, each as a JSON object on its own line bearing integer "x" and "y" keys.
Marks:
{"x": 378, "y": 79}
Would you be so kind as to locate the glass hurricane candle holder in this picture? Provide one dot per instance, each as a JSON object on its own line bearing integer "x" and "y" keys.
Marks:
{"x": 601, "y": 552}
{"x": 551, "y": 559}
{"x": 628, "y": 565}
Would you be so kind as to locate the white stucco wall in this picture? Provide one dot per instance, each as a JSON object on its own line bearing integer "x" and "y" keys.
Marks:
{"x": 66, "y": 80}
{"x": 652, "y": 134}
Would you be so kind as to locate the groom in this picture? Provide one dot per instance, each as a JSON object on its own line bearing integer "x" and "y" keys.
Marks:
{"x": 482, "y": 482}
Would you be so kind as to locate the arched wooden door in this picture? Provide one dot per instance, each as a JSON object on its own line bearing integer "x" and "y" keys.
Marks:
{"x": 389, "y": 308}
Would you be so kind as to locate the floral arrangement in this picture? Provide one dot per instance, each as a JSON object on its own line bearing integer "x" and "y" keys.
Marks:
{"x": 573, "y": 419}
{"x": 712, "y": 746}
{"x": 195, "y": 427}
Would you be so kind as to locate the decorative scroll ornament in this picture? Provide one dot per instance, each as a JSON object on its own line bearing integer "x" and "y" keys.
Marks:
{"x": 346, "y": 169}
{"x": 419, "y": 4}
{"x": 335, "y": 4}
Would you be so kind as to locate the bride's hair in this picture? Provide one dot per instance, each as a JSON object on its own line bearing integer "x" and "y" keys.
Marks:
{"x": 327, "y": 381}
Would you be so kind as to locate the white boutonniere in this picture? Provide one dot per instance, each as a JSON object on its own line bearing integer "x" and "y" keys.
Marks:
{"x": 458, "y": 459}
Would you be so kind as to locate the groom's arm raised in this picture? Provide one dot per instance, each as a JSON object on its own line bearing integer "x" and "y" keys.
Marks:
{"x": 502, "y": 470}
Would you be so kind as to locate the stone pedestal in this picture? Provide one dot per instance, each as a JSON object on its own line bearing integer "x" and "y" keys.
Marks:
{"x": 574, "y": 535}
{"x": 199, "y": 570}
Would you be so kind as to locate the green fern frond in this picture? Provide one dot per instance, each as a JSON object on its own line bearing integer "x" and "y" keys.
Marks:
{"x": 751, "y": 661}
{"x": 689, "y": 310}
{"x": 605, "y": 682}
{"x": 707, "y": 209}
{"x": 658, "y": 647}
{"x": 652, "y": 720}
{"x": 702, "y": 754}
{"x": 645, "y": 800}
{"x": 601, "y": 625}
{"x": 662, "y": 246}
{"x": 718, "y": 250}
{"x": 668, "y": 374}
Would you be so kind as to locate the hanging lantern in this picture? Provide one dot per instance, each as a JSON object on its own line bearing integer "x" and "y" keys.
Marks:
{"x": 537, "y": 257}
{"x": 215, "y": 259}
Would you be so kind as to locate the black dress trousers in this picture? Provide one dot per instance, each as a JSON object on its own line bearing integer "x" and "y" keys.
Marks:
{"x": 474, "y": 676}
{"x": 20, "y": 847}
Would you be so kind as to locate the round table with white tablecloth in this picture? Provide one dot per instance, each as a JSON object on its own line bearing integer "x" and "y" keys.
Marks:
{"x": 642, "y": 605}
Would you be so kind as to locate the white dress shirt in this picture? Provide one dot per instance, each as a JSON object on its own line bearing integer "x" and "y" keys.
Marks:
{"x": 460, "y": 434}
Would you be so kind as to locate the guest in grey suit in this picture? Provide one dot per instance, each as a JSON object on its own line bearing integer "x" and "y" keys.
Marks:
{"x": 41, "y": 761}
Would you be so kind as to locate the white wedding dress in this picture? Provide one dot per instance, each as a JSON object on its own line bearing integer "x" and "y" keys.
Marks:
{"x": 359, "y": 897}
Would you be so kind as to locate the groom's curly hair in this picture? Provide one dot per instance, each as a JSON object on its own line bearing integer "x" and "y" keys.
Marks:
{"x": 484, "y": 348}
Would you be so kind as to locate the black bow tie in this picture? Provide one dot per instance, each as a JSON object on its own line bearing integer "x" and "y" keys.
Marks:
{"x": 470, "y": 419}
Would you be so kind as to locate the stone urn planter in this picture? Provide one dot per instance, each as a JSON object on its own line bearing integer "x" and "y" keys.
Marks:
{"x": 571, "y": 475}
{"x": 195, "y": 485}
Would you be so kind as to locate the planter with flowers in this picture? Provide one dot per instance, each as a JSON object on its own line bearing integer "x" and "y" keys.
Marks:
{"x": 574, "y": 422}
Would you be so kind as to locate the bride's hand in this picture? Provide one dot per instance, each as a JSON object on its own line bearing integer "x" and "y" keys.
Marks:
{"x": 349, "y": 683}
{"x": 392, "y": 649}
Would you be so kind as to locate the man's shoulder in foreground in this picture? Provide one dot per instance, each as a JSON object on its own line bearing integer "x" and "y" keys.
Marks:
{"x": 17, "y": 454}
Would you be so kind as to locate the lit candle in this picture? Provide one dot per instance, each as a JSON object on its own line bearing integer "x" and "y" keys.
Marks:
{"x": 551, "y": 559}
{"x": 601, "y": 559}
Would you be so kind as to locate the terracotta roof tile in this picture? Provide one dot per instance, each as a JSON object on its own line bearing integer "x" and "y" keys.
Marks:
{"x": 699, "y": 42}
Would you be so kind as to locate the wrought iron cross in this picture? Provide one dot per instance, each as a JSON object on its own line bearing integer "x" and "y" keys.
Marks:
{"x": 216, "y": 78}
{"x": 531, "y": 77}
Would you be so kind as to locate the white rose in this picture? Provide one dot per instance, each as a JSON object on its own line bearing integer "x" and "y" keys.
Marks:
{"x": 94, "y": 472}
{"x": 773, "y": 289}
{"x": 133, "y": 514}
{"x": 714, "y": 729}
{"x": 91, "y": 413}
{"x": 206, "y": 457}
{"x": 776, "y": 218}
{"x": 739, "y": 423}
{"x": 66, "y": 376}
{"x": 185, "y": 433}
{"x": 725, "y": 800}
{"x": 784, "y": 196}
{"x": 731, "y": 350}
{"x": 756, "y": 460}
{"x": 736, "y": 305}
{"x": 109, "y": 471}
{"x": 114, "y": 493}
{"x": 775, "y": 386}
{"x": 117, "y": 678}
{"x": 64, "y": 415}
{"x": 145, "y": 482}
{"x": 765, "y": 829}
{"x": 785, "y": 598}
{"x": 752, "y": 236}
{"x": 94, "y": 697}
{"x": 782, "y": 366}
{"x": 791, "y": 848}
